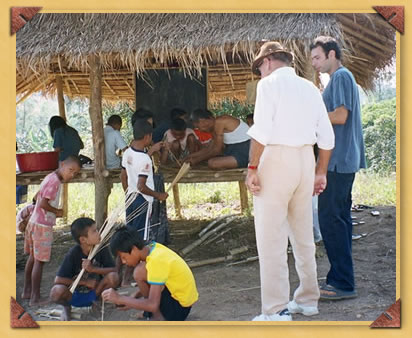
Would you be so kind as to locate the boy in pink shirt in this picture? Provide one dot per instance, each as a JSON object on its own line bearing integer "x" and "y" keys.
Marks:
{"x": 39, "y": 231}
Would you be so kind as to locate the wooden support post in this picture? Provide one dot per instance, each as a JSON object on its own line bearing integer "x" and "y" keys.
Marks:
{"x": 102, "y": 184}
{"x": 176, "y": 199}
{"x": 244, "y": 203}
{"x": 62, "y": 114}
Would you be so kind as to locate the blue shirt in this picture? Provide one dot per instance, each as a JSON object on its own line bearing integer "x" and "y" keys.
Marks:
{"x": 348, "y": 156}
{"x": 69, "y": 142}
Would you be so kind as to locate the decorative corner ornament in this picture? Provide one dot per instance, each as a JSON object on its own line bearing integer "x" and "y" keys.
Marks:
{"x": 21, "y": 15}
{"x": 393, "y": 14}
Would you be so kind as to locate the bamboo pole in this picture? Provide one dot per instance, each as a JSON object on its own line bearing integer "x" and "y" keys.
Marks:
{"x": 62, "y": 114}
{"x": 176, "y": 200}
{"x": 211, "y": 224}
{"x": 183, "y": 170}
{"x": 219, "y": 259}
{"x": 196, "y": 243}
{"x": 102, "y": 188}
{"x": 244, "y": 203}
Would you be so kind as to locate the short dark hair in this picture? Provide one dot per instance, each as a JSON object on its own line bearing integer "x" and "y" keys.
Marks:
{"x": 327, "y": 43}
{"x": 141, "y": 113}
{"x": 80, "y": 227}
{"x": 178, "y": 124}
{"x": 114, "y": 119}
{"x": 201, "y": 114}
{"x": 73, "y": 159}
{"x": 56, "y": 122}
{"x": 177, "y": 113}
{"x": 141, "y": 128}
{"x": 124, "y": 239}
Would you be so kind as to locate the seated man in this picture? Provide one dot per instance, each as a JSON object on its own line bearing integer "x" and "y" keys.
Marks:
{"x": 100, "y": 273}
{"x": 113, "y": 141}
{"x": 229, "y": 147}
{"x": 167, "y": 288}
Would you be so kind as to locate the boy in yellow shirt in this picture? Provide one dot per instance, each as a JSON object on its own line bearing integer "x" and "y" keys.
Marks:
{"x": 165, "y": 281}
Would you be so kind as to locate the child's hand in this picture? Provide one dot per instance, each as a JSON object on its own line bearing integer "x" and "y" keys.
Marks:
{"x": 156, "y": 147}
{"x": 162, "y": 196}
{"x": 110, "y": 295}
{"x": 87, "y": 265}
{"x": 59, "y": 213}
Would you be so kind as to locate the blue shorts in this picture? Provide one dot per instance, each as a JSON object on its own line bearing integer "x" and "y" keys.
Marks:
{"x": 240, "y": 151}
{"x": 138, "y": 222}
{"x": 83, "y": 299}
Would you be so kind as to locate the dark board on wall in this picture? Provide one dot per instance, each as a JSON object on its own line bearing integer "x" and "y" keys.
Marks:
{"x": 164, "y": 89}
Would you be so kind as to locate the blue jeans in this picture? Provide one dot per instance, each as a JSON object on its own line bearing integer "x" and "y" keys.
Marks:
{"x": 334, "y": 207}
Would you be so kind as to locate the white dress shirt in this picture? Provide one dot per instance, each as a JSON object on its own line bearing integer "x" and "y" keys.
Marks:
{"x": 289, "y": 111}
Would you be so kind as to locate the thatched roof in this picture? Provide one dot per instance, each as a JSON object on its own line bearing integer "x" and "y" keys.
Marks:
{"x": 59, "y": 44}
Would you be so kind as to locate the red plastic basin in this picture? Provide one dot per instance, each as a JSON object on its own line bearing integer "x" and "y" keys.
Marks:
{"x": 38, "y": 161}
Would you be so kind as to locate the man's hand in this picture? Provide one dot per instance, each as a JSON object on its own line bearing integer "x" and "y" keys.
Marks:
{"x": 190, "y": 159}
{"x": 110, "y": 295}
{"x": 252, "y": 182}
{"x": 320, "y": 184}
{"x": 87, "y": 265}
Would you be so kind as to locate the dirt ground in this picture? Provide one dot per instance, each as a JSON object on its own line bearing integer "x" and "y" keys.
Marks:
{"x": 232, "y": 293}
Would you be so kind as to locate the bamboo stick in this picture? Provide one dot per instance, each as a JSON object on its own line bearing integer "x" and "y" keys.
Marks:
{"x": 183, "y": 170}
{"x": 249, "y": 259}
{"x": 210, "y": 240}
{"x": 211, "y": 224}
{"x": 207, "y": 235}
{"x": 218, "y": 259}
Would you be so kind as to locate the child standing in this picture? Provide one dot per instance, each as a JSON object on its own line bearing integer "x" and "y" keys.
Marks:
{"x": 100, "y": 272}
{"x": 39, "y": 232}
{"x": 179, "y": 141}
{"x": 163, "y": 277}
{"x": 139, "y": 174}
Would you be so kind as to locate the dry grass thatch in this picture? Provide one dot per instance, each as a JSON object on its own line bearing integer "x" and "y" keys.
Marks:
{"x": 60, "y": 44}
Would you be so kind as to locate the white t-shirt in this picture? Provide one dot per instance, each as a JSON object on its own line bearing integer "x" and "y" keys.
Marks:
{"x": 138, "y": 163}
{"x": 113, "y": 140}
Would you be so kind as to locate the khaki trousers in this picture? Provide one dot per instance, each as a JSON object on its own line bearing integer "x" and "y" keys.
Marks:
{"x": 283, "y": 209}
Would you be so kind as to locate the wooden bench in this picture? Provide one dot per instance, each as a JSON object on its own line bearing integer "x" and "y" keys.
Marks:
{"x": 196, "y": 175}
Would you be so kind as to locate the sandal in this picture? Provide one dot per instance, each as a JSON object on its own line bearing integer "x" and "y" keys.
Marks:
{"x": 329, "y": 292}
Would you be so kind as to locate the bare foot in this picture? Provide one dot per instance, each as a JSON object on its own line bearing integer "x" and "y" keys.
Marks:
{"x": 66, "y": 313}
{"x": 39, "y": 302}
{"x": 26, "y": 295}
{"x": 126, "y": 283}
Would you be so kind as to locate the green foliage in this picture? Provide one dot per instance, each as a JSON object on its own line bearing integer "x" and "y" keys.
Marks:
{"x": 216, "y": 197}
{"x": 379, "y": 128}
{"x": 234, "y": 108}
{"x": 125, "y": 111}
{"x": 33, "y": 115}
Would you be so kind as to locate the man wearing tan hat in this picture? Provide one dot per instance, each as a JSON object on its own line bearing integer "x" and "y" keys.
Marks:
{"x": 290, "y": 117}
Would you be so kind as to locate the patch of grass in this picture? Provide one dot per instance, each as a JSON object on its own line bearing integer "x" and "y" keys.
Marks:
{"x": 210, "y": 200}
{"x": 374, "y": 189}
